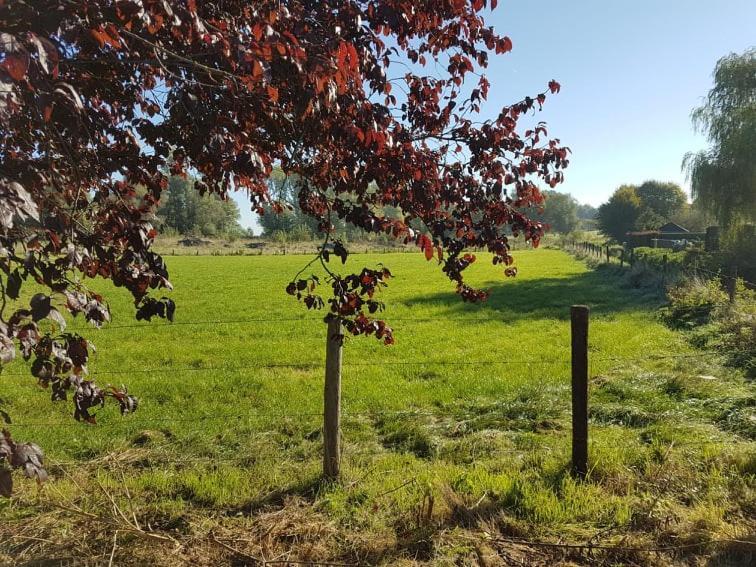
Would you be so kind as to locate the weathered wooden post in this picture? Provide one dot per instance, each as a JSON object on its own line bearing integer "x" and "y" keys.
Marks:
{"x": 608, "y": 255}
{"x": 332, "y": 401}
{"x": 732, "y": 284}
{"x": 579, "y": 327}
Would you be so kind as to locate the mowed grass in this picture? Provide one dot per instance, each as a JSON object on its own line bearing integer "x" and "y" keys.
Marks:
{"x": 457, "y": 434}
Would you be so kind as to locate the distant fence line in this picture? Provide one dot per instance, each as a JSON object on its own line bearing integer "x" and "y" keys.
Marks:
{"x": 627, "y": 256}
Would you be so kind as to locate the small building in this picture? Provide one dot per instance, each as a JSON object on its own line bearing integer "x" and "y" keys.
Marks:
{"x": 673, "y": 228}
{"x": 669, "y": 235}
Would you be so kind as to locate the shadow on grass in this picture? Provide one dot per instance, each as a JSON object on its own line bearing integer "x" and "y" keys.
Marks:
{"x": 604, "y": 290}
{"x": 740, "y": 552}
{"x": 307, "y": 489}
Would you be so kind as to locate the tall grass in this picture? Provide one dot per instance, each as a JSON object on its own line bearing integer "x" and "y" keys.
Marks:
{"x": 460, "y": 429}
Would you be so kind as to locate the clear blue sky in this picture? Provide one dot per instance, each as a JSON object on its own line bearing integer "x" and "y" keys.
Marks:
{"x": 631, "y": 71}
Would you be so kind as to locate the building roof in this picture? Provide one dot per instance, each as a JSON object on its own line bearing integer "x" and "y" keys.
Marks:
{"x": 672, "y": 227}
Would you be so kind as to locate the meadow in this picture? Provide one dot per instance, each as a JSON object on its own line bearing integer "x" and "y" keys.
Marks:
{"x": 455, "y": 440}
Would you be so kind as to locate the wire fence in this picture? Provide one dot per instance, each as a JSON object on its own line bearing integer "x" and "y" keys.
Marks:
{"x": 253, "y": 423}
{"x": 277, "y": 320}
{"x": 318, "y": 364}
{"x": 256, "y": 420}
{"x": 624, "y": 257}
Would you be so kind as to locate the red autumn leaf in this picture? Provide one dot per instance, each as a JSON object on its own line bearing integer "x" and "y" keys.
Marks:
{"x": 16, "y": 65}
{"x": 426, "y": 245}
{"x": 504, "y": 45}
{"x": 273, "y": 93}
{"x": 99, "y": 36}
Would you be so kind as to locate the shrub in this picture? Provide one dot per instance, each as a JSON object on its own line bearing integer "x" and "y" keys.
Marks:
{"x": 736, "y": 330}
{"x": 661, "y": 258}
{"x": 730, "y": 328}
{"x": 641, "y": 274}
{"x": 692, "y": 302}
{"x": 300, "y": 233}
{"x": 280, "y": 237}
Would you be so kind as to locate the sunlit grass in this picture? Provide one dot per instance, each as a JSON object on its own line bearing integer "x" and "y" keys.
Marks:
{"x": 470, "y": 407}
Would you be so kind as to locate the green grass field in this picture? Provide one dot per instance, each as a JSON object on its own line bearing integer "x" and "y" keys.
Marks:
{"x": 455, "y": 440}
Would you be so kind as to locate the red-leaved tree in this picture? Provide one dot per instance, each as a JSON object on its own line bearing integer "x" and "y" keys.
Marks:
{"x": 371, "y": 103}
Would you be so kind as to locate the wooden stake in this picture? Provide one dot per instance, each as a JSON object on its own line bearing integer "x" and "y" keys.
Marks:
{"x": 579, "y": 318}
{"x": 332, "y": 401}
{"x": 732, "y": 284}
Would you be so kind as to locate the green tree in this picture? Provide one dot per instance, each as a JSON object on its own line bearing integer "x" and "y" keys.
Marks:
{"x": 648, "y": 219}
{"x": 692, "y": 217}
{"x": 644, "y": 207}
{"x": 559, "y": 212}
{"x": 291, "y": 222}
{"x": 664, "y": 199}
{"x": 619, "y": 214}
{"x": 187, "y": 212}
{"x": 723, "y": 177}
{"x": 179, "y": 206}
{"x": 586, "y": 211}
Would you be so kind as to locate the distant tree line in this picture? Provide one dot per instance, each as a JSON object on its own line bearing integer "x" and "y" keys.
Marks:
{"x": 292, "y": 224}
{"x": 563, "y": 214}
{"x": 186, "y": 212}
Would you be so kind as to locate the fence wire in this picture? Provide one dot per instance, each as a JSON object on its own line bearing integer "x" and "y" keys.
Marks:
{"x": 319, "y": 364}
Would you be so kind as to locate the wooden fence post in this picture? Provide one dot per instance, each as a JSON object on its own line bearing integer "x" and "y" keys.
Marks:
{"x": 579, "y": 326}
{"x": 732, "y": 284}
{"x": 607, "y": 254}
{"x": 332, "y": 401}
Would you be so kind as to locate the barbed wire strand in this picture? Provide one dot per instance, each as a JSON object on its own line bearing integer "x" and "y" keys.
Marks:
{"x": 320, "y": 364}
